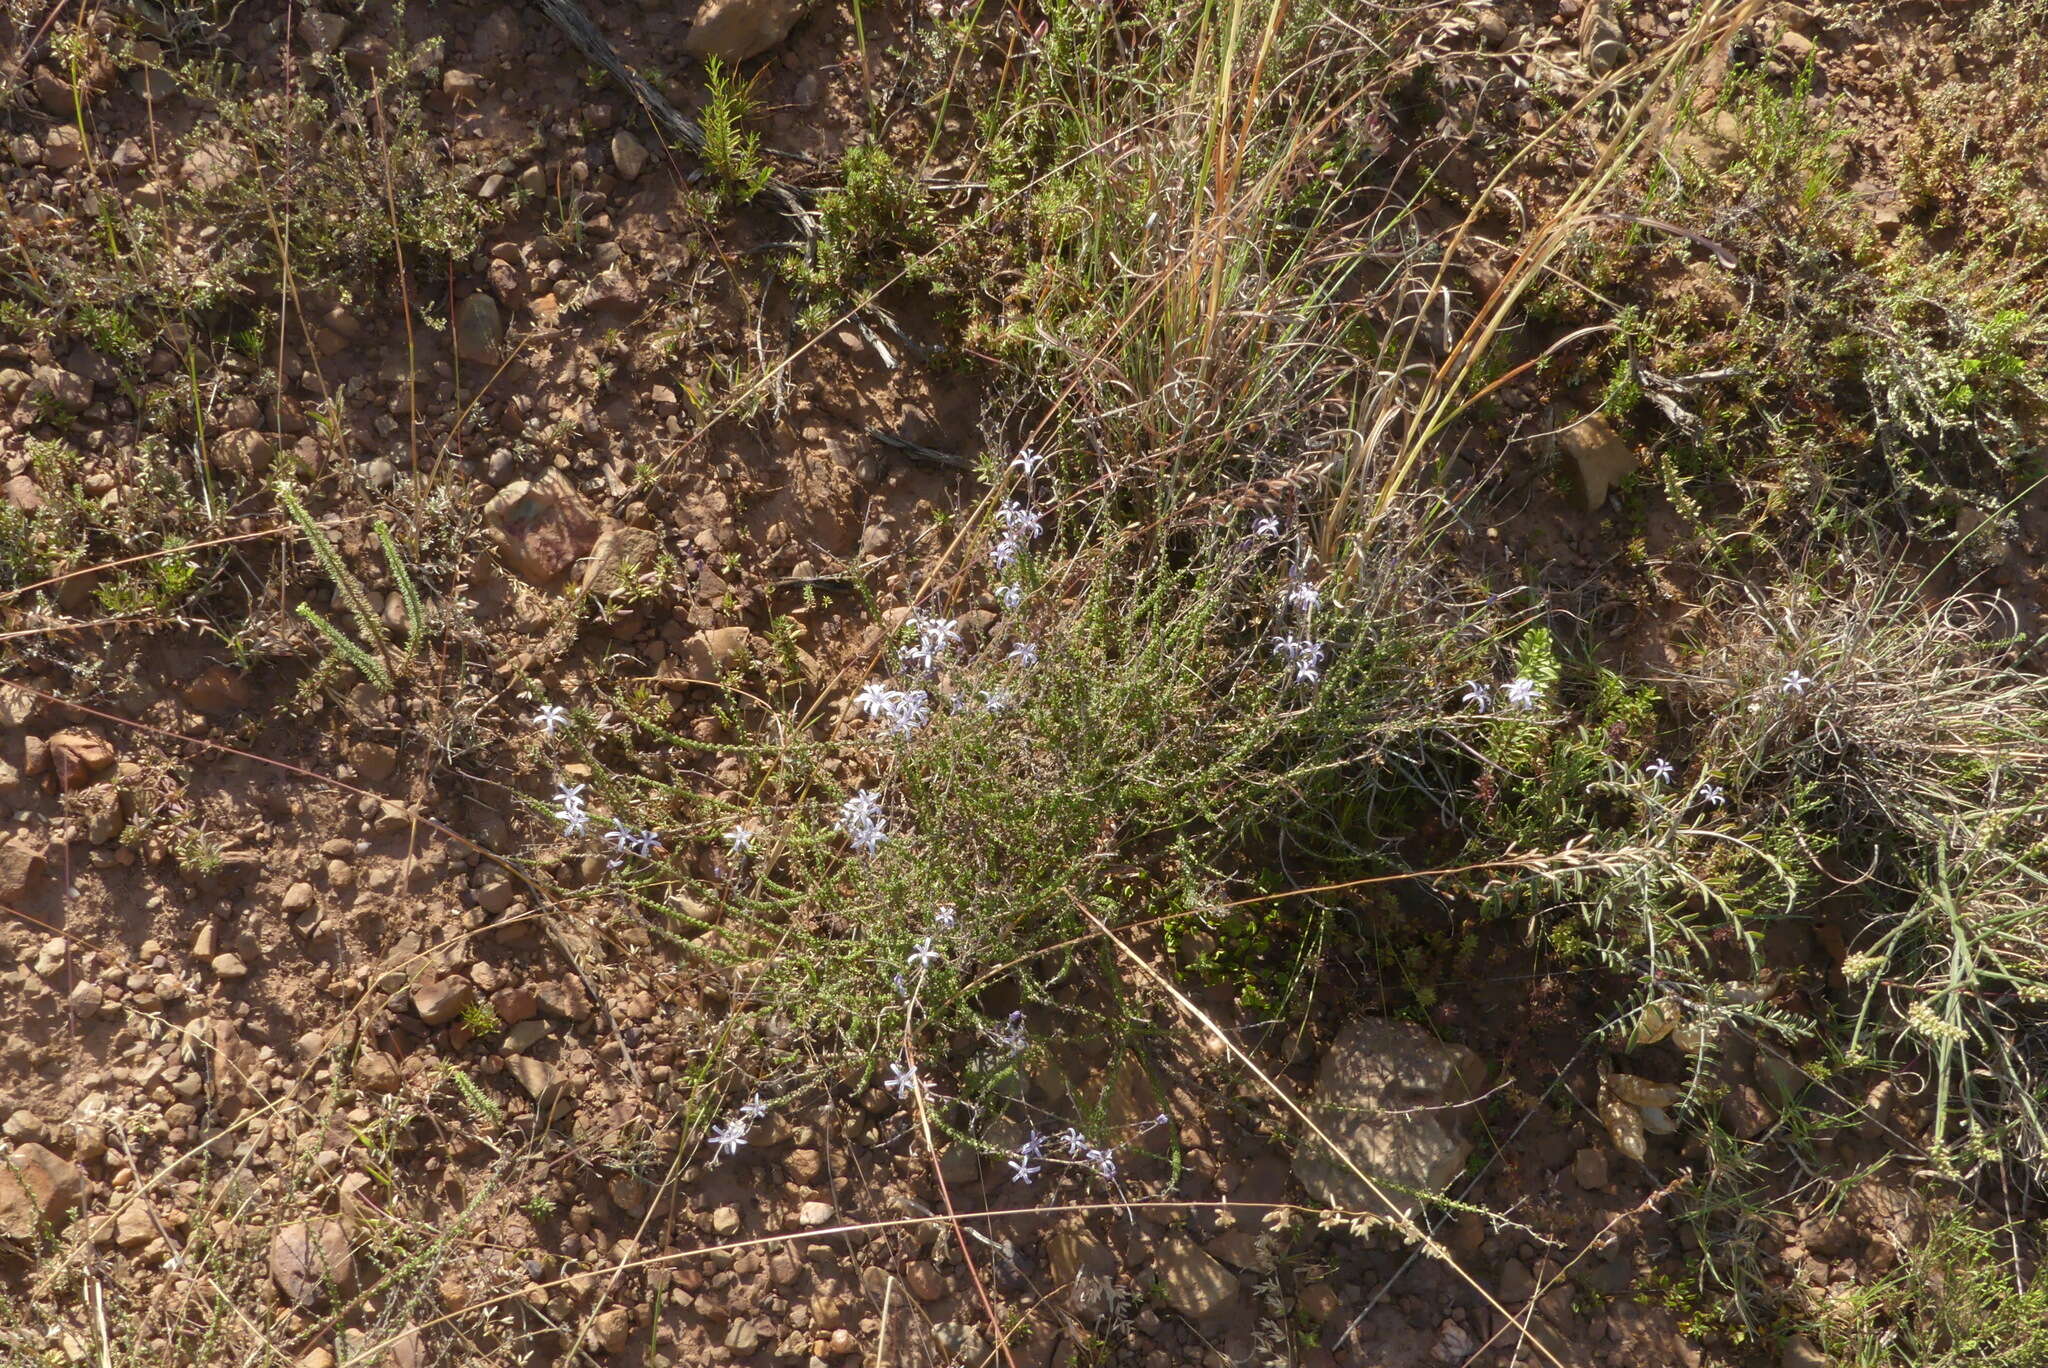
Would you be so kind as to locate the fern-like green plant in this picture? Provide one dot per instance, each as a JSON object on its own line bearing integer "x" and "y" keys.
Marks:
{"x": 732, "y": 153}
{"x": 369, "y": 656}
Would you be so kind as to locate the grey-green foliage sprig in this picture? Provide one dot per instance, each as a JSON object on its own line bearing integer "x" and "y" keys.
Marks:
{"x": 368, "y": 657}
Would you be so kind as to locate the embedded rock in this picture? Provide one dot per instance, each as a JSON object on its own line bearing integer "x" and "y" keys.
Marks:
{"x": 442, "y": 1000}
{"x": 308, "y": 1262}
{"x": 1193, "y": 1283}
{"x": 38, "y": 1191}
{"x": 618, "y": 556}
{"x": 479, "y": 328}
{"x": 79, "y": 755}
{"x": 542, "y": 1081}
{"x": 21, "y": 863}
{"x": 377, "y": 1071}
{"x": 59, "y": 388}
{"x": 734, "y": 30}
{"x": 242, "y": 451}
{"x": 542, "y": 526}
{"x": 1600, "y": 458}
{"x": 1392, "y": 1097}
{"x": 629, "y": 154}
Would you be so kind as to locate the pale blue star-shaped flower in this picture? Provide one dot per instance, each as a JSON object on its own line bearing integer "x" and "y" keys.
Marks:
{"x": 902, "y": 1079}
{"x": 874, "y": 698}
{"x": 730, "y": 1135}
{"x": 1301, "y": 596}
{"x": 1024, "y": 524}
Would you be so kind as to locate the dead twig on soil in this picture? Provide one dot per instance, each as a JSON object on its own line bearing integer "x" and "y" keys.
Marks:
{"x": 917, "y": 451}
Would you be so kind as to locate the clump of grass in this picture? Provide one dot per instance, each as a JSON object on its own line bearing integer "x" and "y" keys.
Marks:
{"x": 1954, "y": 1299}
{"x": 1902, "y": 752}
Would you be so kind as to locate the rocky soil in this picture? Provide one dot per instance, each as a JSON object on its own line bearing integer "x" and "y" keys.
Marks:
{"x": 251, "y": 1098}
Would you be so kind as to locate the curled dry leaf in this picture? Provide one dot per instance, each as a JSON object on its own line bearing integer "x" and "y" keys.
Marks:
{"x": 1657, "y": 1121}
{"x": 1693, "y": 1037}
{"x": 1624, "y": 1123}
{"x": 1748, "y": 994}
{"x": 1641, "y": 1092}
{"x": 1658, "y": 1019}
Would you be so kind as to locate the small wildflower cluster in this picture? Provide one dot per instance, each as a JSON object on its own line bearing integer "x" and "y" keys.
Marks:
{"x": 732, "y": 1132}
{"x": 925, "y": 953}
{"x": 1021, "y": 526}
{"x": 551, "y": 716}
{"x": 860, "y": 817}
{"x": 1025, "y": 1166}
{"x": 1302, "y": 652}
{"x": 1304, "y": 655}
{"x": 1522, "y": 694}
{"x": 570, "y": 810}
{"x": 626, "y": 839}
{"x": 902, "y": 711}
{"x": 1300, "y": 596}
{"x": 1020, "y": 521}
{"x": 1011, "y": 1034}
{"x": 935, "y": 637}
